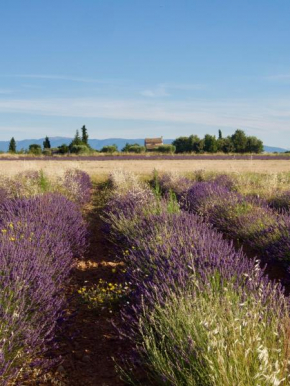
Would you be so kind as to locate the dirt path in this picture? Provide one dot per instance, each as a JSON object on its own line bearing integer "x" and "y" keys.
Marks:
{"x": 89, "y": 341}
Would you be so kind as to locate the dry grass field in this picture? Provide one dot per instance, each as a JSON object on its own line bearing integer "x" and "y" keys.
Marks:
{"x": 100, "y": 169}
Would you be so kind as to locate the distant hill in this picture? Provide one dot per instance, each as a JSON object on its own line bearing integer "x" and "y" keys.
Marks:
{"x": 270, "y": 149}
{"x": 99, "y": 143}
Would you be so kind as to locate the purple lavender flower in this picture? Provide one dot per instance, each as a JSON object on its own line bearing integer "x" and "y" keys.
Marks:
{"x": 78, "y": 184}
{"x": 38, "y": 239}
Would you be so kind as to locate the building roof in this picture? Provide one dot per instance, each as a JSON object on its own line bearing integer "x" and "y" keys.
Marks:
{"x": 154, "y": 140}
{"x": 153, "y": 143}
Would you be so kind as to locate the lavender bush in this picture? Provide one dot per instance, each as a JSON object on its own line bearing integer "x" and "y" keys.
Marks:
{"x": 78, "y": 186}
{"x": 244, "y": 218}
{"x": 280, "y": 201}
{"x": 38, "y": 238}
{"x": 203, "y": 314}
{"x": 75, "y": 185}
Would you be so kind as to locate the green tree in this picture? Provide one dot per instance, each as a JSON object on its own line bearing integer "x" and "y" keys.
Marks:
{"x": 239, "y": 140}
{"x": 76, "y": 141}
{"x": 169, "y": 149}
{"x": 220, "y": 134}
{"x": 210, "y": 143}
{"x": 35, "y": 149}
{"x": 63, "y": 149}
{"x": 181, "y": 144}
{"x": 225, "y": 145}
{"x": 254, "y": 145}
{"x": 46, "y": 143}
{"x": 193, "y": 143}
{"x": 12, "y": 145}
{"x": 128, "y": 146}
{"x": 85, "y": 135}
{"x": 109, "y": 149}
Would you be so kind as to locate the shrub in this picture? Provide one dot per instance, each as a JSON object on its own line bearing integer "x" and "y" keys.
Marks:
{"x": 47, "y": 152}
{"x": 78, "y": 186}
{"x": 169, "y": 149}
{"x": 136, "y": 149}
{"x": 38, "y": 239}
{"x": 35, "y": 149}
{"x": 203, "y": 312}
{"x": 63, "y": 149}
{"x": 281, "y": 201}
{"x": 109, "y": 149}
{"x": 79, "y": 149}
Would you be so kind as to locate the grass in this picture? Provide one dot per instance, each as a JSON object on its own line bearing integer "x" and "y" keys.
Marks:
{"x": 216, "y": 337}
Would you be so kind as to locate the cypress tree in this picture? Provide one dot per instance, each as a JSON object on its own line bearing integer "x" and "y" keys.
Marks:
{"x": 77, "y": 139}
{"x": 12, "y": 145}
{"x": 220, "y": 134}
{"x": 85, "y": 136}
{"x": 46, "y": 143}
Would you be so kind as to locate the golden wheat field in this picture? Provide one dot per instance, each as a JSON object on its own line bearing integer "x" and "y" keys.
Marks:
{"x": 144, "y": 167}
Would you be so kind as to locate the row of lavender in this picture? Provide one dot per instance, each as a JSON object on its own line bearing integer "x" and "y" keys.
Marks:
{"x": 200, "y": 313}
{"x": 39, "y": 237}
{"x": 262, "y": 224}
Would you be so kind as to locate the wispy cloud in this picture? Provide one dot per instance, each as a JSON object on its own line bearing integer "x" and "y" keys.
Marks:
{"x": 265, "y": 115}
{"x": 165, "y": 89}
{"x": 62, "y": 77}
{"x": 6, "y": 91}
{"x": 278, "y": 77}
{"x": 157, "y": 92}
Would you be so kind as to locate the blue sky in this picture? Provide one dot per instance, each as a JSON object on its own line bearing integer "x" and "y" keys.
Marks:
{"x": 136, "y": 68}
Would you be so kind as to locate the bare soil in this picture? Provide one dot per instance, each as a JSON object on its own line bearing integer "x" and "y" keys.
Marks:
{"x": 89, "y": 344}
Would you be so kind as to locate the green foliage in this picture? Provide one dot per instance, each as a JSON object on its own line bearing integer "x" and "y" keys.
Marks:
{"x": 46, "y": 143}
{"x": 12, "y": 145}
{"x": 76, "y": 141}
{"x": 79, "y": 145}
{"x": 85, "y": 135}
{"x": 239, "y": 140}
{"x": 169, "y": 149}
{"x": 225, "y": 145}
{"x": 181, "y": 145}
{"x": 237, "y": 143}
{"x": 109, "y": 149}
{"x": 103, "y": 294}
{"x": 210, "y": 144}
{"x": 133, "y": 148}
{"x": 188, "y": 144}
{"x": 47, "y": 152}
{"x": 219, "y": 338}
{"x": 137, "y": 149}
{"x": 80, "y": 149}
{"x": 35, "y": 149}
{"x": 44, "y": 183}
{"x": 254, "y": 145}
{"x": 63, "y": 149}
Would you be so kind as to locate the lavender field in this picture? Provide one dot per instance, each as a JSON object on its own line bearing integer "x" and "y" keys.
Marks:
{"x": 172, "y": 280}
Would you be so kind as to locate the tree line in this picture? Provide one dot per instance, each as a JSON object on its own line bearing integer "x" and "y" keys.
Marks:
{"x": 239, "y": 142}
{"x": 78, "y": 145}
{"x": 236, "y": 143}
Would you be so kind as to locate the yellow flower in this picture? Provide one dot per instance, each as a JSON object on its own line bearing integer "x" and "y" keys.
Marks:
{"x": 4, "y": 231}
